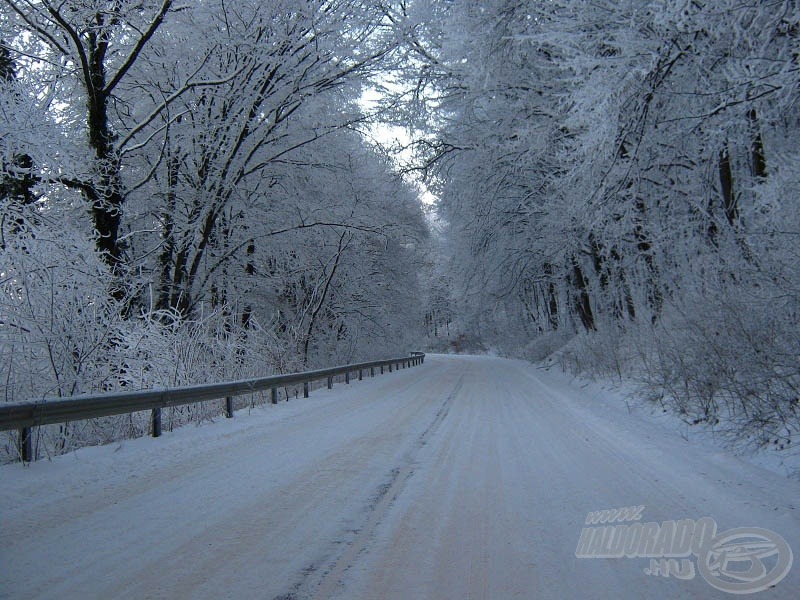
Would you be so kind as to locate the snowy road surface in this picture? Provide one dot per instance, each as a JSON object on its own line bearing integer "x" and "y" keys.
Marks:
{"x": 466, "y": 477}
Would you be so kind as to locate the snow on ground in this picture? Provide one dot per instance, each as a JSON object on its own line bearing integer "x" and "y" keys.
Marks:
{"x": 466, "y": 477}
{"x": 620, "y": 399}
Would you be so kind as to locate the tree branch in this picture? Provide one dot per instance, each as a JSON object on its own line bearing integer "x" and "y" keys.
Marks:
{"x": 134, "y": 55}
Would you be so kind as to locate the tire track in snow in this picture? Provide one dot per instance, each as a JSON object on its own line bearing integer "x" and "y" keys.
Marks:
{"x": 386, "y": 496}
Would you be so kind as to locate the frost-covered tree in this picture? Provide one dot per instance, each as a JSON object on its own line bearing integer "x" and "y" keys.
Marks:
{"x": 17, "y": 178}
{"x": 613, "y": 165}
{"x": 200, "y": 164}
{"x": 84, "y": 52}
{"x": 228, "y": 147}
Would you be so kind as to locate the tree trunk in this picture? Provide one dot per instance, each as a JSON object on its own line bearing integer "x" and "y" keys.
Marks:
{"x": 726, "y": 186}
{"x": 250, "y": 271}
{"x": 106, "y": 193}
{"x": 328, "y": 280}
{"x": 583, "y": 305}
{"x": 552, "y": 297}
{"x": 757, "y": 147}
{"x": 167, "y": 256}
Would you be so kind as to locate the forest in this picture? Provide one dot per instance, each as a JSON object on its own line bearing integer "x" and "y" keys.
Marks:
{"x": 194, "y": 192}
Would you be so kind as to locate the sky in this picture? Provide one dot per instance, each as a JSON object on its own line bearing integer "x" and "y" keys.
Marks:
{"x": 393, "y": 136}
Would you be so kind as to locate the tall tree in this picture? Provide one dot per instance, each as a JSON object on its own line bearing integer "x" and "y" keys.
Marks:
{"x": 17, "y": 176}
{"x": 100, "y": 42}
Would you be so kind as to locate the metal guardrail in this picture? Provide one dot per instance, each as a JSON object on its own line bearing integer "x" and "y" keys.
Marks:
{"x": 26, "y": 415}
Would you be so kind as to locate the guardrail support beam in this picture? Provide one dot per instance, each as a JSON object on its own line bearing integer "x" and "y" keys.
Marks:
{"x": 155, "y": 422}
{"x": 330, "y": 382}
{"x": 26, "y": 444}
{"x": 306, "y": 386}
{"x": 273, "y": 392}
{"x": 228, "y": 407}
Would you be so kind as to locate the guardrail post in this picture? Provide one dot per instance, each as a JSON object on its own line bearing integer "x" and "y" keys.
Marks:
{"x": 361, "y": 374}
{"x": 305, "y": 389}
{"x": 390, "y": 367}
{"x": 26, "y": 444}
{"x": 155, "y": 421}
{"x": 381, "y": 369}
{"x": 347, "y": 376}
{"x": 273, "y": 392}
{"x": 330, "y": 382}
{"x": 372, "y": 371}
{"x": 228, "y": 407}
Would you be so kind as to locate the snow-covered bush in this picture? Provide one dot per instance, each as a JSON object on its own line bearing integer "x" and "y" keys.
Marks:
{"x": 729, "y": 359}
{"x": 59, "y": 327}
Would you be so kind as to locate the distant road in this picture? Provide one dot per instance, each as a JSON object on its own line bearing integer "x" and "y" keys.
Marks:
{"x": 466, "y": 477}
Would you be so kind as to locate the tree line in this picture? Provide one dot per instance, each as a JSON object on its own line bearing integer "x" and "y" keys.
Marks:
{"x": 187, "y": 196}
{"x": 626, "y": 172}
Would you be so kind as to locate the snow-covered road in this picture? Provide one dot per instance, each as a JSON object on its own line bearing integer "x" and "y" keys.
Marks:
{"x": 466, "y": 477}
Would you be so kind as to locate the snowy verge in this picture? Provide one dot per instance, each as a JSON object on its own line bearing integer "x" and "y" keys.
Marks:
{"x": 623, "y": 398}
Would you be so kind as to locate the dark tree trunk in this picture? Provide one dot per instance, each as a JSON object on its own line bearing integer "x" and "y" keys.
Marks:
{"x": 18, "y": 178}
{"x": 583, "y": 305}
{"x": 552, "y": 297}
{"x": 757, "y": 147}
{"x": 105, "y": 192}
{"x": 166, "y": 258}
{"x": 655, "y": 297}
{"x": 726, "y": 186}
{"x": 250, "y": 271}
